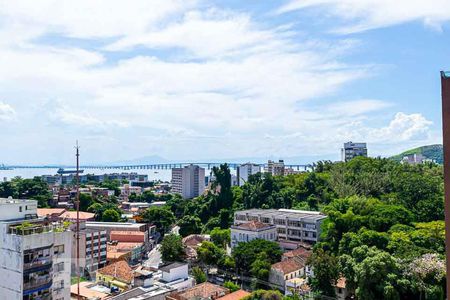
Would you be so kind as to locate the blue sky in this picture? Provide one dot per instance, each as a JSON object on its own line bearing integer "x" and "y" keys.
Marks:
{"x": 193, "y": 79}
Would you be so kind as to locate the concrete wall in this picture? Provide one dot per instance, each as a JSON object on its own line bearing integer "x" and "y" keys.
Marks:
{"x": 11, "y": 265}
{"x": 176, "y": 273}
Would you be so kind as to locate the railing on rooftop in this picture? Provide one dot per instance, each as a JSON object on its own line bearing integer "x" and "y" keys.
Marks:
{"x": 33, "y": 228}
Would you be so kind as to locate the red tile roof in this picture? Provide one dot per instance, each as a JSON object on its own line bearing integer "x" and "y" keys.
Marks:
{"x": 119, "y": 270}
{"x": 42, "y": 212}
{"x": 238, "y": 295}
{"x": 204, "y": 290}
{"x": 253, "y": 225}
{"x": 341, "y": 283}
{"x": 300, "y": 252}
{"x": 288, "y": 266}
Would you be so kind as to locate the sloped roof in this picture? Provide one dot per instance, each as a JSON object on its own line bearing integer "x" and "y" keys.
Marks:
{"x": 253, "y": 226}
{"x": 42, "y": 212}
{"x": 119, "y": 270}
{"x": 288, "y": 266}
{"x": 204, "y": 290}
{"x": 237, "y": 295}
{"x": 73, "y": 215}
{"x": 300, "y": 252}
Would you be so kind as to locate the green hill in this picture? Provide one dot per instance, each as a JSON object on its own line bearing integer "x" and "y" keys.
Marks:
{"x": 434, "y": 152}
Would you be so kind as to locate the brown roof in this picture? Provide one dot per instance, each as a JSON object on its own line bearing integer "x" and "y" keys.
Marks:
{"x": 42, "y": 212}
{"x": 119, "y": 270}
{"x": 193, "y": 240}
{"x": 72, "y": 215}
{"x": 288, "y": 266}
{"x": 238, "y": 295}
{"x": 204, "y": 290}
{"x": 300, "y": 252}
{"x": 253, "y": 225}
{"x": 341, "y": 283}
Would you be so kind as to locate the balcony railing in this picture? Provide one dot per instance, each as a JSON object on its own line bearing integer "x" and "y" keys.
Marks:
{"x": 39, "y": 262}
{"x": 30, "y": 228}
{"x": 41, "y": 282}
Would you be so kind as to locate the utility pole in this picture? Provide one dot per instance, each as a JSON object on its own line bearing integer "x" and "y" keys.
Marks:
{"x": 78, "y": 217}
{"x": 445, "y": 85}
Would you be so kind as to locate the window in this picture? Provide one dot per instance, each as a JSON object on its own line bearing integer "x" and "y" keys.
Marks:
{"x": 58, "y": 249}
{"x": 20, "y": 208}
{"x": 59, "y": 267}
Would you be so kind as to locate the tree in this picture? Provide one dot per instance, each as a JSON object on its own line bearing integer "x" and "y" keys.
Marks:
{"x": 172, "y": 248}
{"x": 85, "y": 201}
{"x": 209, "y": 254}
{"x": 161, "y": 217}
{"x": 264, "y": 295}
{"x": 233, "y": 287}
{"x": 246, "y": 253}
{"x": 110, "y": 215}
{"x": 260, "y": 267}
{"x": 221, "y": 237}
{"x": 199, "y": 275}
{"x": 326, "y": 272}
{"x": 190, "y": 225}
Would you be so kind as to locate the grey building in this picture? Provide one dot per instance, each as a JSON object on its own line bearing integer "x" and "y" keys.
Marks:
{"x": 244, "y": 171}
{"x": 292, "y": 225}
{"x": 352, "y": 150}
{"x": 189, "y": 181}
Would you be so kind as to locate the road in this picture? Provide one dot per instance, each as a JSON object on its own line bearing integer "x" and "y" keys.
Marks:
{"x": 154, "y": 258}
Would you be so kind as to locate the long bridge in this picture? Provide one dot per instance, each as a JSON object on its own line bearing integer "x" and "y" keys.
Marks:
{"x": 156, "y": 166}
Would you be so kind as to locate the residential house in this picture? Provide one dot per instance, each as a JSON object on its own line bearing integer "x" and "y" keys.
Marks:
{"x": 117, "y": 275}
{"x": 284, "y": 270}
{"x": 246, "y": 232}
{"x": 237, "y": 295}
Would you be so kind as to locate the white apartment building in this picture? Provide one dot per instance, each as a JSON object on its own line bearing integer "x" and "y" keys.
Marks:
{"x": 244, "y": 171}
{"x": 35, "y": 254}
{"x": 189, "y": 181}
{"x": 291, "y": 225}
{"x": 249, "y": 231}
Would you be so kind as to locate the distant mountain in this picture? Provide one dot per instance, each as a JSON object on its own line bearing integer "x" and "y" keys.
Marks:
{"x": 434, "y": 152}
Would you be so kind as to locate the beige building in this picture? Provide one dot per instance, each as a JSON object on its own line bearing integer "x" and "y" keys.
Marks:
{"x": 246, "y": 232}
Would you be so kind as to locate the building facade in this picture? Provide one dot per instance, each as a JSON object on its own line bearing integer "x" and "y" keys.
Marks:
{"x": 276, "y": 168}
{"x": 189, "y": 181}
{"x": 352, "y": 150}
{"x": 246, "y": 232}
{"x": 244, "y": 171}
{"x": 292, "y": 225}
{"x": 35, "y": 254}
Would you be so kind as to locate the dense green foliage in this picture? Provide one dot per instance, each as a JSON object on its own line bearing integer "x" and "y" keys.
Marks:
{"x": 433, "y": 152}
{"x": 161, "y": 217}
{"x": 384, "y": 223}
{"x": 19, "y": 188}
{"x": 172, "y": 248}
{"x": 110, "y": 215}
{"x": 199, "y": 275}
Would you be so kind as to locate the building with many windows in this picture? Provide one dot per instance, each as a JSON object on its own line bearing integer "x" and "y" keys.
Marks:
{"x": 244, "y": 171}
{"x": 35, "y": 254}
{"x": 352, "y": 150}
{"x": 246, "y": 232}
{"x": 292, "y": 225}
{"x": 276, "y": 168}
{"x": 188, "y": 181}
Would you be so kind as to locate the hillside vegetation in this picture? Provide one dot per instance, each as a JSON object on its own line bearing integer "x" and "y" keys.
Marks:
{"x": 433, "y": 152}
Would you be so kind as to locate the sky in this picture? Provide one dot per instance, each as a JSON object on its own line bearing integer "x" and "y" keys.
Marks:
{"x": 193, "y": 79}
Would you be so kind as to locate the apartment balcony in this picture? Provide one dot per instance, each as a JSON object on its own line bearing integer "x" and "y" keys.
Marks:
{"x": 40, "y": 264}
{"x": 37, "y": 284}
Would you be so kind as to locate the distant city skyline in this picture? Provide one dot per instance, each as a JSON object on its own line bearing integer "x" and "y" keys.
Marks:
{"x": 193, "y": 80}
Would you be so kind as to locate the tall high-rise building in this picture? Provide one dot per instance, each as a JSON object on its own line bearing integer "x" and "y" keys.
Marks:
{"x": 352, "y": 150}
{"x": 245, "y": 170}
{"x": 35, "y": 253}
{"x": 189, "y": 181}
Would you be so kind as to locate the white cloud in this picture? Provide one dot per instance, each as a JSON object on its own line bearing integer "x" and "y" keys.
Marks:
{"x": 403, "y": 127}
{"x": 7, "y": 113}
{"x": 361, "y": 15}
{"x": 236, "y": 88}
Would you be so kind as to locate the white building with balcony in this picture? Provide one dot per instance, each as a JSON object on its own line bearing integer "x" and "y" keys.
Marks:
{"x": 291, "y": 225}
{"x": 35, "y": 254}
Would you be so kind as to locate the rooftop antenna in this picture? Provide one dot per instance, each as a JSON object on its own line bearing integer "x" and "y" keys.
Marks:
{"x": 77, "y": 203}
